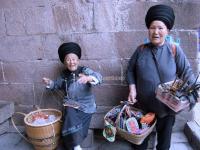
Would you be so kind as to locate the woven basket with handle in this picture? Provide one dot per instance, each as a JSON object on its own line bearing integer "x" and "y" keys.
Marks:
{"x": 133, "y": 138}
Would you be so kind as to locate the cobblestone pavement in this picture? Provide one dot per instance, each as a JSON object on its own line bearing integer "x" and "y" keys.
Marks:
{"x": 13, "y": 141}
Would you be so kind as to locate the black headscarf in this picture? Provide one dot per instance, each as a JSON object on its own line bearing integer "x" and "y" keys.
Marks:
{"x": 67, "y": 48}
{"x": 162, "y": 13}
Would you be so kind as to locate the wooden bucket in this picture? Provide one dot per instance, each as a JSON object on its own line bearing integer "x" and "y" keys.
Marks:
{"x": 45, "y": 136}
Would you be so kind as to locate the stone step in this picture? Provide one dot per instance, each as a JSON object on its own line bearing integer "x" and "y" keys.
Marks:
{"x": 4, "y": 127}
{"x": 96, "y": 141}
{"x": 192, "y": 131}
{"x": 89, "y": 140}
{"x": 6, "y": 110}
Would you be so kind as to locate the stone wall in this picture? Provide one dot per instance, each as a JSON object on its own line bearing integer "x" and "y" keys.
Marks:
{"x": 108, "y": 32}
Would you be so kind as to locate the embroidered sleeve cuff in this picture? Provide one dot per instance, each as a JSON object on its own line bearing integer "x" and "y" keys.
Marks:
{"x": 50, "y": 85}
{"x": 94, "y": 81}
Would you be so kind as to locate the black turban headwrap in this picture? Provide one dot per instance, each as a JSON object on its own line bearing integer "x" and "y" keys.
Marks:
{"x": 162, "y": 13}
{"x": 67, "y": 48}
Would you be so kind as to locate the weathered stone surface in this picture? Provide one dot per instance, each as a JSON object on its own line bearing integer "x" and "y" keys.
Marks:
{"x": 178, "y": 1}
{"x": 2, "y": 23}
{"x": 188, "y": 42}
{"x": 124, "y": 70}
{"x": 192, "y": 131}
{"x": 22, "y": 4}
{"x": 93, "y": 64}
{"x": 18, "y": 93}
{"x": 50, "y": 69}
{"x": 97, "y": 118}
{"x": 19, "y": 72}
{"x": 104, "y": 16}
{"x": 110, "y": 95}
{"x": 14, "y": 141}
{"x": 179, "y": 141}
{"x": 74, "y": 16}
{"x": 15, "y": 22}
{"x": 4, "y": 127}
{"x": 119, "y": 15}
{"x": 181, "y": 120}
{"x": 190, "y": 11}
{"x": 123, "y": 15}
{"x": 6, "y": 110}
{"x": 18, "y": 118}
{"x": 179, "y": 137}
{"x": 97, "y": 45}
{"x": 46, "y": 98}
{"x": 194, "y": 65}
{"x": 39, "y": 20}
{"x": 21, "y": 48}
{"x": 127, "y": 42}
{"x": 29, "y": 72}
{"x": 89, "y": 140}
{"x": 29, "y": 21}
{"x": 196, "y": 112}
{"x": 1, "y": 72}
{"x": 110, "y": 69}
{"x": 51, "y": 44}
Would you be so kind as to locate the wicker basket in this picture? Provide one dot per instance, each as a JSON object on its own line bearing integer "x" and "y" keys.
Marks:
{"x": 45, "y": 136}
{"x": 133, "y": 138}
{"x": 171, "y": 100}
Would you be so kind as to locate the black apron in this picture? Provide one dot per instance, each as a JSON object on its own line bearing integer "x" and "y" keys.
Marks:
{"x": 75, "y": 126}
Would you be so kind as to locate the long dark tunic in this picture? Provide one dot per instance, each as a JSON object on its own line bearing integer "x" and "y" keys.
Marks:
{"x": 143, "y": 73}
{"x": 76, "y": 121}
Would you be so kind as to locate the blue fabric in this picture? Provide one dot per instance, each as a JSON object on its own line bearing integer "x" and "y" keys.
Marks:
{"x": 80, "y": 93}
{"x": 75, "y": 126}
{"x": 143, "y": 73}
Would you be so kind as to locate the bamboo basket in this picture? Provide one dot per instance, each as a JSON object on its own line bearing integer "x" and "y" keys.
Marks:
{"x": 44, "y": 136}
{"x": 170, "y": 100}
{"x": 133, "y": 138}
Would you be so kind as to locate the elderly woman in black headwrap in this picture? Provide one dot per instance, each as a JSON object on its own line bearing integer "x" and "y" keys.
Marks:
{"x": 79, "y": 102}
{"x": 154, "y": 63}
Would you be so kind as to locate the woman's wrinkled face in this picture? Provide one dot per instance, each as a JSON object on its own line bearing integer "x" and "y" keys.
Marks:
{"x": 157, "y": 32}
{"x": 71, "y": 61}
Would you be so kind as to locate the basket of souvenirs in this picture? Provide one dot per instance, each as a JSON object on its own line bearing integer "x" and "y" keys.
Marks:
{"x": 130, "y": 123}
{"x": 134, "y": 125}
{"x": 177, "y": 94}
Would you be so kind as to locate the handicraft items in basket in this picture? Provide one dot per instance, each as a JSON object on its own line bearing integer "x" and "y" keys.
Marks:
{"x": 178, "y": 95}
{"x": 129, "y": 122}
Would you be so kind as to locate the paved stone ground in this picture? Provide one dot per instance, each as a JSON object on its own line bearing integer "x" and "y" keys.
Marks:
{"x": 13, "y": 141}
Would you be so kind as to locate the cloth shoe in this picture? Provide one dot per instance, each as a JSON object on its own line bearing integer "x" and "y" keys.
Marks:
{"x": 109, "y": 131}
{"x": 78, "y": 147}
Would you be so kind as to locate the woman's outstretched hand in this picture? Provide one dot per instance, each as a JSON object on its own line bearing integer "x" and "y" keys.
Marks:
{"x": 83, "y": 79}
{"x": 47, "y": 81}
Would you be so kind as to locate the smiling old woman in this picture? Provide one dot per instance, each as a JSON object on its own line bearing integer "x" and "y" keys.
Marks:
{"x": 154, "y": 63}
{"x": 79, "y": 102}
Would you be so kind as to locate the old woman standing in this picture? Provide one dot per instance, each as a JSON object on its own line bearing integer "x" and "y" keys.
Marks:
{"x": 154, "y": 63}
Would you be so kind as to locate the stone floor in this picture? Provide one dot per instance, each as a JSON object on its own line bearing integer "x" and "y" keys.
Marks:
{"x": 13, "y": 141}
{"x": 180, "y": 142}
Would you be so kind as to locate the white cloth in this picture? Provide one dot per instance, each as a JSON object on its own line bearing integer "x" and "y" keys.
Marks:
{"x": 78, "y": 147}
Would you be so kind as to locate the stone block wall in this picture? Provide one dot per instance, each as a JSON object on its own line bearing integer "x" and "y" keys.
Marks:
{"x": 107, "y": 31}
